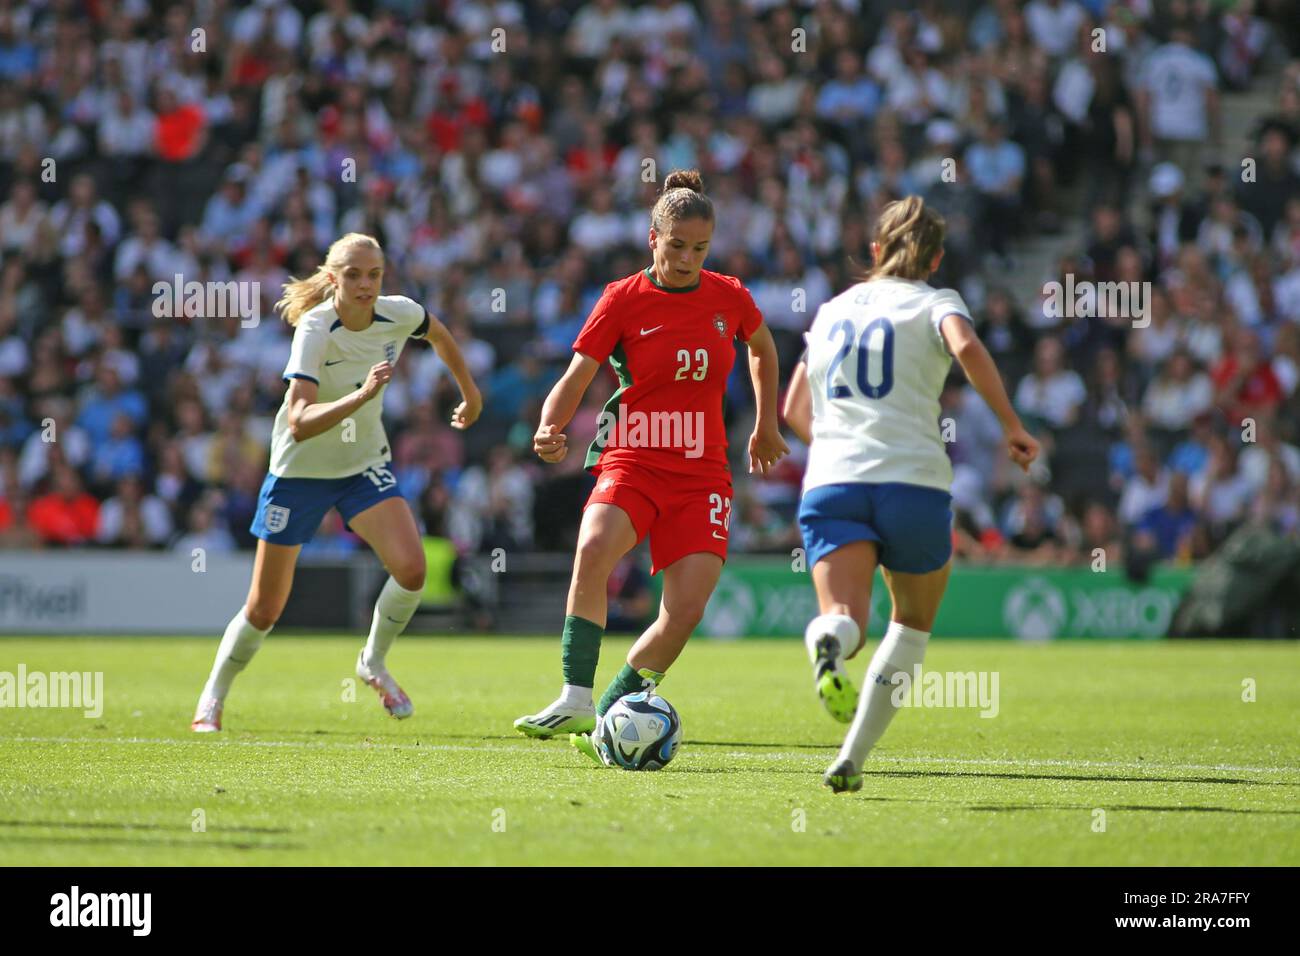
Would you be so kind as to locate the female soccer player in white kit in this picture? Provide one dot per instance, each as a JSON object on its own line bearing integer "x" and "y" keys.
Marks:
{"x": 328, "y": 449}
{"x": 876, "y": 489}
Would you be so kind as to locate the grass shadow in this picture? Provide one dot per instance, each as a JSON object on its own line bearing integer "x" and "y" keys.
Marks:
{"x": 102, "y": 825}
{"x": 198, "y": 843}
{"x": 1084, "y": 778}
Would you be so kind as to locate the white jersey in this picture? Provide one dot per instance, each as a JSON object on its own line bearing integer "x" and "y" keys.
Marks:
{"x": 338, "y": 361}
{"x": 1177, "y": 77}
{"x": 876, "y": 368}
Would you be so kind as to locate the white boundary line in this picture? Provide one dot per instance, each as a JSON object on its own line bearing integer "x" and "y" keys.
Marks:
{"x": 534, "y": 749}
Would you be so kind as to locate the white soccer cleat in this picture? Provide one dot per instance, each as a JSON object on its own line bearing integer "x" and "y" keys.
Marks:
{"x": 207, "y": 718}
{"x": 393, "y": 697}
{"x": 558, "y": 718}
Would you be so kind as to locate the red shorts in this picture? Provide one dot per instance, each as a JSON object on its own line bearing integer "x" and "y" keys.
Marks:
{"x": 682, "y": 514}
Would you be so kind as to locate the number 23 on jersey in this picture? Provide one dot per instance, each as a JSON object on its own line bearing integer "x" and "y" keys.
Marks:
{"x": 701, "y": 367}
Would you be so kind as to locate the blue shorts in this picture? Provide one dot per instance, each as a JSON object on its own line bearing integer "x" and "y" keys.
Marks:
{"x": 911, "y": 524}
{"x": 289, "y": 510}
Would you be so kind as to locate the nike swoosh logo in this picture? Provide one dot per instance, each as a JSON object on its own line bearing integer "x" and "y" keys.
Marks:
{"x": 648, "y": 331}
{"x": 720, "y": 537}
{"x": 393, "y": 619}
{"x": 335, "y": 362}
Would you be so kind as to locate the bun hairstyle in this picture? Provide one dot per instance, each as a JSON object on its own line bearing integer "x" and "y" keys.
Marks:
{"x": 682, "y": 198}
{"x": 302, "y": 295}
{"x": 910, "y": 235}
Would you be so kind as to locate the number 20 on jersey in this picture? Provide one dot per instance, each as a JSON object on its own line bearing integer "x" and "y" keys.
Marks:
{"x": 877, "y": 339}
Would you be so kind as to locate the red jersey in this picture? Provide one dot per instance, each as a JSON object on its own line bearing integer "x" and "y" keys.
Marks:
{"x": 1259, "y": 387}
{"x": 672, "y": 350}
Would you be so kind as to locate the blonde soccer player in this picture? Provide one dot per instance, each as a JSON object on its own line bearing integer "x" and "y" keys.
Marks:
{"x": 329, "y": 450}
{"x": 876, "y": 489}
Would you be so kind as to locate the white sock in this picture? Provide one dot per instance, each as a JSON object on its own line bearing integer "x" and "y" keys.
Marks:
{"x": 238, "y": 645}
{"x": 393, "y": 611}
{"x": 842, "y": 626}
{"x": 901, "y": 649}
{"x": 575, "y": 696}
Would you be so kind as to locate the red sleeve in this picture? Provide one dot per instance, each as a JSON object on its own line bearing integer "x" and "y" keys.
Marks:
{"x": 750, "y": 317}
{"x": 1272, "y": 387}
{"x": 602, "y": 329}
{"x": 1221, "y": 372}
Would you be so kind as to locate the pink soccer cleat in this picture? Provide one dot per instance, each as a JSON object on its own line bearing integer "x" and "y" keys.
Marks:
{"x": 393, "y": 697}
{"x": 207, "y": 719}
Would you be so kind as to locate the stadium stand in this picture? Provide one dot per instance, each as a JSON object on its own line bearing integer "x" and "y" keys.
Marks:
{"x": 503, "y": 174}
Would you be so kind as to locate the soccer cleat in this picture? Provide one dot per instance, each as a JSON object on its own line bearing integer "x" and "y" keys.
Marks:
{"x": 557, "y": 718}
{"x": 207, "y": 718}
{"x": 393, "y": 697}
{"x": 586, "y": 745}
{"x": 842, "y": 777}
{"x": 834, "y": 688}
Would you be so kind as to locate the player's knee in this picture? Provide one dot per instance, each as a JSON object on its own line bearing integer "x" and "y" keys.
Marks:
{"x": 687, "y": 612}
{"x": 595, "y": 554}
{"x": 263, "y": 614}
{"x": 409, "y": 573}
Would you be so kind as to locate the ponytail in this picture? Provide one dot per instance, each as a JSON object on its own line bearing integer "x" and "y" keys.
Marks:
{"x": 303, "y": 295}
{"x": 910, "y": 235}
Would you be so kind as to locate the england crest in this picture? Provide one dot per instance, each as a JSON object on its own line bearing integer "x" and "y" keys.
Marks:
{"x": 390, "y": 352}
{"x": 277, "y": 518}
{"x": 720, "y": 324}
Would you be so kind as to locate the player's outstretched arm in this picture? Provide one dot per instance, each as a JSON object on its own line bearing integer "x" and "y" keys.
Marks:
{"x": 766, "y": 446}
{"x": 309, "y": 418}
{"x": 558, "y": 410}
{"x": 798, "y": 404}
{"x": 982, "y": 373}
{"x": 471, "y": 406}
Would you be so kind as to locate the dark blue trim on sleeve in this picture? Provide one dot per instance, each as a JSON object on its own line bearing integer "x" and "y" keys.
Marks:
{"x": 423, "y": 329}
{"x": 314, "y": 381}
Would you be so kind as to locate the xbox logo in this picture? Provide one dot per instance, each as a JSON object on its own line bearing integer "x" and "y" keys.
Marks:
{"x": 1035, "y": 610}
{"x": 730, "y": 610}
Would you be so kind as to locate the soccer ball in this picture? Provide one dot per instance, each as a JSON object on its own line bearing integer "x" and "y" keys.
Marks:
{"x": 640, "y": 732}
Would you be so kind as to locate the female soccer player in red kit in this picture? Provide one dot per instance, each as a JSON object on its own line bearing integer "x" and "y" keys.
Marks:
{"x": 660, "y": 456}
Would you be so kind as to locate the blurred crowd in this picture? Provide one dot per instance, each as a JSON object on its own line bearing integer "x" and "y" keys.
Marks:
{"x": 506, "y": 154}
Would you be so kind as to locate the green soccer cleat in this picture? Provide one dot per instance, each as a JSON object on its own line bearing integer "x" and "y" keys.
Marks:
{"x": 834, "y": 688}
{"x": 586, "y": 745}
{"x": 556, "y": 719}
{"x": 842, "y": 777}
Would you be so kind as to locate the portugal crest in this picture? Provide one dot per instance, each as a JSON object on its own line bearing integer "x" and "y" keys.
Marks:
{"x": 720, "y": 324}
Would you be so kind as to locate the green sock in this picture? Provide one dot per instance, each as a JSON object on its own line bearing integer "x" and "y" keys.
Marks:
{"x": 580, "y": 650}
{"x": 628, "y": 681}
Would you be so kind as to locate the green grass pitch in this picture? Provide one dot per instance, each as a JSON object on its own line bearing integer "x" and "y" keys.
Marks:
{"x": 1156, "y": 735}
